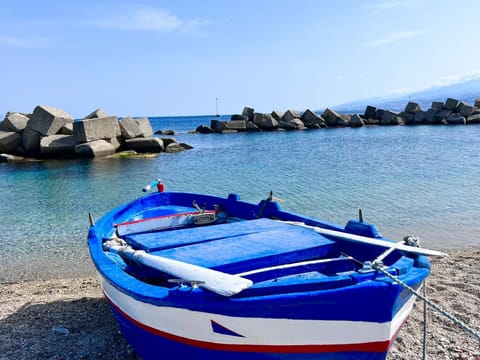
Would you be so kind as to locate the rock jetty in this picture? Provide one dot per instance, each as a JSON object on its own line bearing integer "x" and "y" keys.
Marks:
{"x": 452, "y": 112}
{"x": 50, "y": 132}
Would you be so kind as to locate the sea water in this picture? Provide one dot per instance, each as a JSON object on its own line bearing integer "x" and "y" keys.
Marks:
{"x": 408, "y": 180}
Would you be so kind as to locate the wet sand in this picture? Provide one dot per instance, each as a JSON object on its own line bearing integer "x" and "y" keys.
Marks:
{"x": 70, "y": 319}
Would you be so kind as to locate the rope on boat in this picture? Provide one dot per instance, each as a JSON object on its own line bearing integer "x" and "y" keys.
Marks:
{"x": 378, "y": 265}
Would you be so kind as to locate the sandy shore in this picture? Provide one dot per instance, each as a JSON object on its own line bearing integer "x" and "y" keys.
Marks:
{"x": 69, "y": 318}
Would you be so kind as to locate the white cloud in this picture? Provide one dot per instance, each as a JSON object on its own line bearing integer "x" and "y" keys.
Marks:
{"x": 150, "y": 19}
{"x": 455, "y": 79}
{"x": 393, "y": 5}
{"x": 394, "y": 37}
{"x": 23, "y": 42}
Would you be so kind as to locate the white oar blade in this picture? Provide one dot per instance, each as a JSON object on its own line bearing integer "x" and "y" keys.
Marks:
{"x": 369, "y": 241}
{"x": 212, "y": 280}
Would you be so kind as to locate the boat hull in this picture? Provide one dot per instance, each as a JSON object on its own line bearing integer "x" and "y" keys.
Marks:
{"x": 159, "y": 331}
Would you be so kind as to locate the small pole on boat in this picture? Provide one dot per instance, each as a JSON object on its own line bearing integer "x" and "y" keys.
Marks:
{"x": 91, "y": 219}
{"x": 360, "y": 215}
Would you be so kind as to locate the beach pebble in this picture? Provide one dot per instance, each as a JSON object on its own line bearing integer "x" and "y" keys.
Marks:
{"x": 60, "y": 330}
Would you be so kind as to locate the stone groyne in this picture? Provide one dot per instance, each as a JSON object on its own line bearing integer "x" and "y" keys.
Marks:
{"x": 50, "y": 132}
{"x": 452, "y": 111}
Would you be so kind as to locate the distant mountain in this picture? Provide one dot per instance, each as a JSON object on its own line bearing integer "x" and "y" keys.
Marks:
{"x": 466, "y": 91}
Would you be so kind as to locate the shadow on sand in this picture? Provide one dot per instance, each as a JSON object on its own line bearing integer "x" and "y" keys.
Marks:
{"x": 92, "y": 332}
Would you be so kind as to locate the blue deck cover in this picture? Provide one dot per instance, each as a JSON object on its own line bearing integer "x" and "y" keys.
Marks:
{"x": 237, "y": 246}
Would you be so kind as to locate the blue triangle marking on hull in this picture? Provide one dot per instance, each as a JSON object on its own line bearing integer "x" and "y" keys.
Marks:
{"x": 220, "y": 329}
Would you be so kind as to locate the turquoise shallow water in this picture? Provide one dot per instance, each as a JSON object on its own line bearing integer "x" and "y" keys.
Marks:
{"x": 420, "y": 180}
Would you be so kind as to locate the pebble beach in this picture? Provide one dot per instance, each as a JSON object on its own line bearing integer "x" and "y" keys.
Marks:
{"x": 70, "y": 319}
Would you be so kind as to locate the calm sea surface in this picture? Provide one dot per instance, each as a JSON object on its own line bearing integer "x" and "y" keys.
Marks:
{"x": 419, "y": 180}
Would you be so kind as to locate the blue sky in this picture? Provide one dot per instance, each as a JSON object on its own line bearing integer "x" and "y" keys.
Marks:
{"x": 163, "y": 58}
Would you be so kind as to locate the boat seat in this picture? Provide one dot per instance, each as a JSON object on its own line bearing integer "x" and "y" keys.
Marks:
{"x": 239, "y": 246}
{"x": 160, "y": 240}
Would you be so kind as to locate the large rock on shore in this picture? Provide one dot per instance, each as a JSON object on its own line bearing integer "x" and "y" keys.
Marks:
{"x": 153, "y": 144}
{"x": 144, "y": 126}
{"x": 99, "y": 113}
{"x": 239, "y": 125}
{"x": 312, "y": 119}
{"x": 48, "y": 120}
{"x": 15, "y": 122}
{"x": 58, "y": 145}
{"x": 96, "y": 129}
{"x": 248, "y": 113}
{"x": 289, "y": 115}
{"x": 9, "y": 141}
{"x": 265, "y": 121}
{"x": 331, "y": 117}
{"x": 412, "y": 107}
{"x": 31, "y": 140}
{"x": 129, "y": 128}
{"x": 451, "y": 104}
{"x": 95, "y": 148}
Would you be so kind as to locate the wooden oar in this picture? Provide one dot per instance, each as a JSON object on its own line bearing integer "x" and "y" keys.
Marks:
{"x": 212, "y": 280}
{"x": 368, "y": 240}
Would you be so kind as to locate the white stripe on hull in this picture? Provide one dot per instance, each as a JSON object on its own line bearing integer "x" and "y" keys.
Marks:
{"x": 195, "y": 325}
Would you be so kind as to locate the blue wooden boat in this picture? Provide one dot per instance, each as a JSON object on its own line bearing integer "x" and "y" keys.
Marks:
{"x": 210, "y": 277}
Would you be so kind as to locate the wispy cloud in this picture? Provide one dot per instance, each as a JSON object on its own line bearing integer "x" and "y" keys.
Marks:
{"x": 23, "y": 42}
{"x": 387, "y": 5}
{"x": 455, "y": 79}
{"x": 153, "y": 19}
{"x": 394, "y": 37}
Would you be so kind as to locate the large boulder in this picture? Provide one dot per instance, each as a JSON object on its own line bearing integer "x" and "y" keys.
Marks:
{"x": 370, "y": 112}
{"x": 9, "y": 140}
{"x": 473, "y": 119}
{"x": 248, "y": 113}
{"x": 430, "y": 116}
{"x": 145, "y": 127}
{"x": 465, "y": 109}
{"x": 412, "y": 107}
{"x": 58, "y": 145}
{"x": 143, "y": 145}
{"x": 284, "y": 125}
{"x": 203, "y": 129}
{"x": 129, "y": 128}
{"x": 387, "y": 117}
{"x": 174, "y": 148}
{"x": 419, "y": 117}
{"x": 252, "y": 127}
{"x": 451, "y": 104}
{"x": 442, "y": 115}
{"x": 95, "y": 148}
{"x": 265, "y": 121}
{"x": 331, "y": 117}
{"x": 99, "y": 113}
{"x": 15, "y": 122}
{"x": 277, "y": 115}
{"x": 31, "y": 140}
{"x": 357, "y": 121}
{"x": 456, "y": 119}
{"x": 437, "y": 105}
{"x": 48, "y": 120}
{"x": 218, "y": 125}
{"x": 312, "y": 119}
{"x": 289, "y": 115}
{"x": 96, "y": 129}
{"x": 239, "y": 125}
